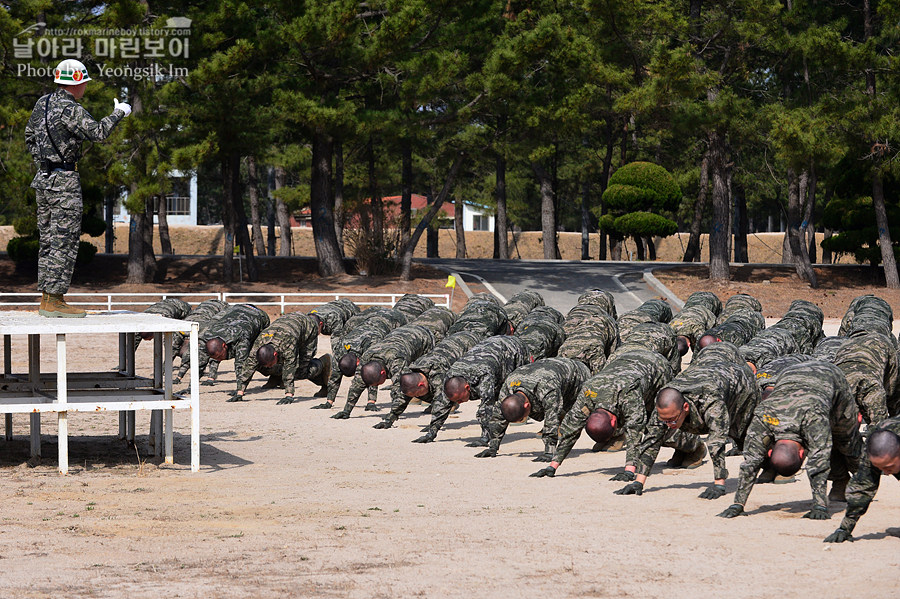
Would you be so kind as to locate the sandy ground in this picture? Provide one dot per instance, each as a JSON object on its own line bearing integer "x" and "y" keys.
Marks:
{"x": 291, "y": 503}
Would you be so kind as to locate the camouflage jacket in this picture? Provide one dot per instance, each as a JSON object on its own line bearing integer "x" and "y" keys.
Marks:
{"x": 626, "y": 387}
{"x": 870, "y": 308}
{"x": 721, "y": 351}
{"x": 334, "y": 315}
{"x": 238, "y": 327}
{"x": 737, "y": 303}
{"x": 827, "y": 348}
{"x": 765, "y": 376}
{"x": 435, "y": 365}
{"x": 658, "y": 337}
{"x": 438, "y": 320}
{"x": 813, "y": 316}
{"x": 551, "y": 386}
{"x": 202, "y": 314}
{"x": 69, "y": 125}
{"x": 870, "y": 364}
{"x": 395, "y": 352}
{"x": 660, "y": 311}
{"x": 721, "y": 397}
{"x": 591, "y": 344}
{"x": 543, "y": 337}
{"x": 628, "y": 321}
{"x": 767, "y": 345}
{"x": 484, "y": 367}
{"x": 480, "y": 317}
{"x": 806, "y": 332}
{"x": 411, "y": 305}
{"x": 519, "y": 305}
{"x": 810, "y": 403}
{"x": 170, "y": 308}
{"x": 295, "y": 337}
{"x": 692, "y": 322}
{"x": 864, "y": 484}
{"x": 585, "y": 313}
{"x": 598, "y": 297}
{"x": 739, "y": 328}
{"x": 707, "y": 299}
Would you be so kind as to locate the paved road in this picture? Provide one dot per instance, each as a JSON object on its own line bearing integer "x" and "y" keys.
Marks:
{"x": 560, "y": 282}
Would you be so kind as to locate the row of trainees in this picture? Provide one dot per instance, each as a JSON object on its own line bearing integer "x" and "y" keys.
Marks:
{"x": 542, "y": 386}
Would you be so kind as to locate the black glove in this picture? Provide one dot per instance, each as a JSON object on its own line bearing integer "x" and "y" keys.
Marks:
{"x": 370, "y": 407}
{"x": 634, "y": 488}
{"x": 287, "y": 399}
{"x": 426, "y": 438}
{"x": 624, "y": 476}
{"x": 839, "y": 536}
{"x": 176, "y": 380}
{"x": 544, "y": 457}
{"x": 548, "y": 471}
{"x": 487, "y": 453}
{"x": 478, "y": 443}
{"x": 342, "y": 415}
{"x": 735, "y": 509}
{"x": 323, "y": 406}
{"x": 386, "y": 423}
{"x": 234, "y": 396}
{"x": 208, "y": 383}
{"x": 818, "y": 512}
{"x": 713, "y": 492}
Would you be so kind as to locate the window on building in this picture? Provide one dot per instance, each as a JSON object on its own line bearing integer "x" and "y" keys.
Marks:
{"x": 481, "y": 222}
{"x": 178, "y": 201}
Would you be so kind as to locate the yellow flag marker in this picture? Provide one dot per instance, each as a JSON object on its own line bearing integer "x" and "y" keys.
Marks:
{"x": 451, "y": 281}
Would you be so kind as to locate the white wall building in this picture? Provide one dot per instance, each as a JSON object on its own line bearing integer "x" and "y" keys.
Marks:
{"x": 181, "y": 201}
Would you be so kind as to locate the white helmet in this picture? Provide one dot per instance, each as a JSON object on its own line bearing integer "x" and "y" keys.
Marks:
{"x": 70, "y": 72}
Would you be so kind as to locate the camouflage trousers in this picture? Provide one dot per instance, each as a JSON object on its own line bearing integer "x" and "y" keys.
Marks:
{"x": 59, "y": 226}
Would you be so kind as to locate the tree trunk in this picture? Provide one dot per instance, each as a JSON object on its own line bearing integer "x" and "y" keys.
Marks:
{"x": 604, "y": 182}
{"x": 458, "y": 213}
{"x": 327, "y": 250}
{"x": 639, "y": 247}
{"x": 692, "y": 251}
{"x": 719, "y": 268}
{"x": 585, "y": 220}
{"x": 136, "y": 247}
{"x": 548, "y": 222}
{"x": 431, "y": 238}
{"x": 615, "y": 248}
{"x": 162, "y": 212}
{"x": 242, "y": 236}
{"x": 651, "y": 249}
{"x": 406, "y": 262}
{"x": 807, "y": 228}
{"x": 741, "y": 224}
{"x": 253, "y": 189}
{"x": 110, "y": 237}
{"x": 406, "y": 183}
{"x": 270, "y": 212}
{"x": 284, "y": 218}
{"x": 375, "y": 201}
{"x": 227, "y": 222}
{"x": 502, "y": 249}
{"x": 339, "y": 194}
{"x": 826, "y": 253}
{"x": 797, "y": 248}
{"x": 884, "y": 235}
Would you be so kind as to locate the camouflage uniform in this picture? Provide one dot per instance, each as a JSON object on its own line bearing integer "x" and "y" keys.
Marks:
{"x": 707, "y": 299}
{"x": 395, "y": 352}
{"x": 737, "y": 303}
{"x": 827, "y": 347}
{"x": 519, "y": 305}
{"x": 598, "y": 297}
{"x": 768, "y": 345}
{"x": 692, "y": 322}
{"x": 435, "y": 366}
{"x": 658, "y": 337}
{"x": 660, "y": 311}
{"x": 484, "y": 367}
{"x": 813, "y": 316}
{"x": 486, "y": 296}
{"x": 238, "y": 327}
{"x": 870, "y": 364}
{"x": 212, "y": 365}
{"x": 202, "y": 314}
{"x": 551, "y": 386}
{"x": 628, "y": 321}
{"x": 334, "y": 315}
{"x": 542, "y": 332}
{"x": 626, "y": 387}
{"x": 722, "y": 351}
{"x": 722, "y": 397}
{"x": 438, "y": 320}
{"x": 864, "y": 484}
{"x": 295, "y": 337}
{"x": 481, "y": 317}
{"x": 412, "y": 305}
{"x": 811, "y": 404}
{"x": 54, "y": 134}
{"x": 873, "y": 312}
{"x": 766, "y": 375}
{"x": 360, "y": 332}
{"x": 591, "y": 336}
{"x": 739, "y": 328}
{"x": 170, "y": 307}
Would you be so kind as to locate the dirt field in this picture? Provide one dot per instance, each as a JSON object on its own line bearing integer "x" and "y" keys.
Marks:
{"x": 291, "y": 503}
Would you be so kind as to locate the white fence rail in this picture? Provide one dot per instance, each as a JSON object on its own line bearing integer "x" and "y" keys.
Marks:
{"x": 283, "y": 300}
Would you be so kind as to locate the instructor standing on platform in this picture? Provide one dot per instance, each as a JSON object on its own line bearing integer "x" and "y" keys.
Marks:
{"x": 55, "y": 131}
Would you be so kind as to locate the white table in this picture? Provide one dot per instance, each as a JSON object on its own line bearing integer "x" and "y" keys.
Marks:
{"x": 120, "y": 391}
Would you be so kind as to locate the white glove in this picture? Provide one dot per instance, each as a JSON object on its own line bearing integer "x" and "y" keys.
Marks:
{"x": 126, "y": 108}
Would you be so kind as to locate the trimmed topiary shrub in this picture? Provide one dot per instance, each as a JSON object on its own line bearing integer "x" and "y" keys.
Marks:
{"x": 645, "y": 224}
{"x": 654, "y": 188}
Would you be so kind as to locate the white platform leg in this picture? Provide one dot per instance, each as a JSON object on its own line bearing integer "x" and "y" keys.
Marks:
{"x": 167, "y": 388}
{"x": 34, "y": 377}
{"x": 195, "y": 399}
{"x": 63, "y": 400}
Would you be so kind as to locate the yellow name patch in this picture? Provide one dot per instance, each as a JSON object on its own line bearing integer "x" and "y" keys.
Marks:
{"x": 589, "y": 393}
{"x": 770, "y": 420}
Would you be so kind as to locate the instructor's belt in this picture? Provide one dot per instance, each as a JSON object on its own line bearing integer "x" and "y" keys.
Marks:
{"x": 49, "y": 167}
